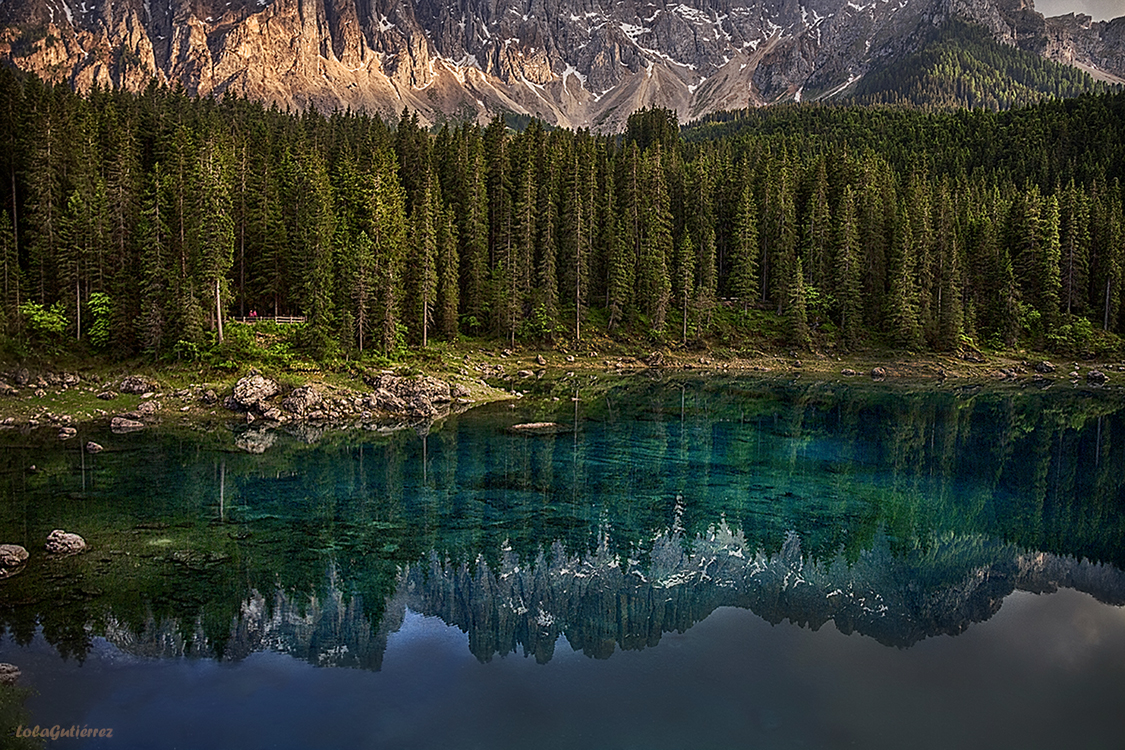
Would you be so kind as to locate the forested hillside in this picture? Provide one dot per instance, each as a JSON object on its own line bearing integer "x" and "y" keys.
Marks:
{"x": 133, "y": 224}
{"x": 962, "y": 65}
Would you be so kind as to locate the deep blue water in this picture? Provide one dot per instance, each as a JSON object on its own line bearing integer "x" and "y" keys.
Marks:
{"x": 692, "y": 564}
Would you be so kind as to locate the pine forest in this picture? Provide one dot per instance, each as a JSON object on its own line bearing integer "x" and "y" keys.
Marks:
{"x": 140, "y": 225}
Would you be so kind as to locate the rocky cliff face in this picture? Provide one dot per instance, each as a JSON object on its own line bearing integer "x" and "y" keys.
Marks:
{"x": 576, "y": 63}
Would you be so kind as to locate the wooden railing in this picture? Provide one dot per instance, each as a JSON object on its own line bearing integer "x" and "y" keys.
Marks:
{"x": 271, "y": 318}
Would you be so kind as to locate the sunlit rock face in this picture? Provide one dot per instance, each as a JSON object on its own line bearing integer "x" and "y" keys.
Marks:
{"x": 575, "y": 64}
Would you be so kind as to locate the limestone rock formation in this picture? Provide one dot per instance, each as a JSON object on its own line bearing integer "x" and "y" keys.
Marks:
{"x": 587, "y": 64}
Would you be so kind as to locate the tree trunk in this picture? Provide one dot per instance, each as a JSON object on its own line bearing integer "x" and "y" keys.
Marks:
{"x": 218, "y": 311}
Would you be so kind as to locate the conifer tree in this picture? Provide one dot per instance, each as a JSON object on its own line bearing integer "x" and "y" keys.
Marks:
{"x": 1074, "y": 249}
{"x": 653, "y": 282}
{"x": 448, "y": 295}
{"x": 153, "y": 237}
{"x": 848, "y": 274}
{"x": 684, "y": 274}
{"x": 744, "y": 250}
{"x": 388, "y": 234}
{"x": 902, "y": 297}
{"x": 796, "y": 308}
{"x": 10, "y": 286}
{"x": 214, "y": 231}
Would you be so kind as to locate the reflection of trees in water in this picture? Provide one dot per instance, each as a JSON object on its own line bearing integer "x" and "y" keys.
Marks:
{"x": 859, "y": 475}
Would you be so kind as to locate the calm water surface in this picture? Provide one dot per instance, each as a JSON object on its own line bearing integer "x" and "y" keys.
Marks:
{"x": 696, "y": 564}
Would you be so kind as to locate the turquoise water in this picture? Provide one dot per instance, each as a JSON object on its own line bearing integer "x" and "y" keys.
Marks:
{"x": 694, "y": 563}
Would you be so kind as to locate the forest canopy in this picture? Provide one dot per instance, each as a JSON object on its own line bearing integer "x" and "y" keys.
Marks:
{"x": 135, "y": 223}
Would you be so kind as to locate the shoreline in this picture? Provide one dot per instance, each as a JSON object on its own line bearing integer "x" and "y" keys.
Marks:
{"x": 42, "y": 397}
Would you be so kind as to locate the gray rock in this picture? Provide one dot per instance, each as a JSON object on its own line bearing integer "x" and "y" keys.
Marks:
{"x": 1044, "y": 367}
{"x": 540, "y": 360}
{"x": 12, "y": 555}
{"x": 848, "y": 372}
{"x": 879, "y": 373}
{"x": 92, "y": 447}
{"x": 147, "y": 409}
{"x": 7, "y": 390}
{"x": 21, "y": 377}
{"x": 209, "y": 397}
{"x": 9, "y": 673}
{"x": 252, "y": 391}
{"x": 60, "y": 542}
{"x": 411, "y": 396}
{"x": 137, "y": 385}
{"x": 655, "y": 359}
{"x": 1096, "y": 377}
{"x": 66, "y": 433}
{"x": 302, "y": 400}
{"x": 107, "y": 395}
{"x": 124, "y": 424}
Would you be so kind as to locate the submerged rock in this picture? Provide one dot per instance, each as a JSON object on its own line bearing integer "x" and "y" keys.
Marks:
{"x": 540, "y": 428}
{"x": 12, "y": 556}
{"x": 1096, "y": 377}
{"x": 9, "y": 673}
{"x": 124, "y": 424}
{"x": 60, "y": 542}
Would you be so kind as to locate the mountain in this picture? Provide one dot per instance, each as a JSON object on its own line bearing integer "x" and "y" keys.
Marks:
{"x": 574, "y": 63}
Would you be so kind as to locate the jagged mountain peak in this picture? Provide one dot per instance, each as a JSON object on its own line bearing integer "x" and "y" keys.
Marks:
{"x": 577, "y": 63}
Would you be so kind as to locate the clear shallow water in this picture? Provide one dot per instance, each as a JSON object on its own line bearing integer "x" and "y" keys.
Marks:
{"x": 701, "y": 564}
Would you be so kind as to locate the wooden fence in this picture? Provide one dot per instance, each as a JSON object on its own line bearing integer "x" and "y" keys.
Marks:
{"x": 271, "y": 318}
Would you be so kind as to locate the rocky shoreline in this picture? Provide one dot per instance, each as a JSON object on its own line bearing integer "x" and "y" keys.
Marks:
{"x": 375, "y": 400}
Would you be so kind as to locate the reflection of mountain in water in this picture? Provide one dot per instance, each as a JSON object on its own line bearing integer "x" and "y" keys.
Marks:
{"x": 600, "y": 603}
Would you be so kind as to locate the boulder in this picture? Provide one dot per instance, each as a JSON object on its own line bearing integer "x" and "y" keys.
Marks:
{"x": 9, "y": 673}
{"x": 137, "y": 384}
{"x": 124, "y": 424}
{"x": 107, "y": 395}
{"x": 7, "y": 390}
{"x": 540, "y": 360}
{"x": 655, "y": 359}
{"x": 92, "y": 447}
{"x": 879, "y": 373}
{"x": 66, "y": 433}
{"x": 60, "y": 542}
{"x": 1096, "y": 377}
{"x": 21, "y": 377}
{"x": 1044, "y": 367}
{"x": 847, "y": 372}
{"x": 301, "y": 401}
{"x": 412, "y": 396}
{"x": 251, "y": 393}
{"x": 147, "y": 410}
{"x": 12, "y": 556}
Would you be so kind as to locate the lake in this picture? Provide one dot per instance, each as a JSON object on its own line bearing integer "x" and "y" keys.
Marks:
{"x": 689, "y": 563}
